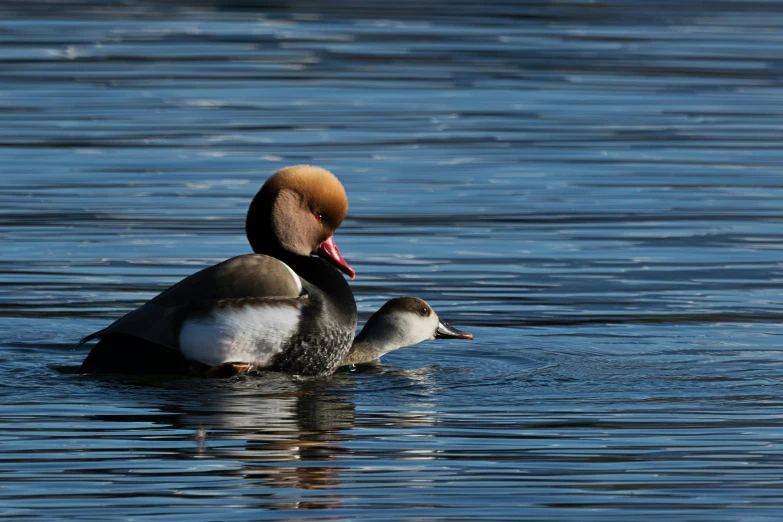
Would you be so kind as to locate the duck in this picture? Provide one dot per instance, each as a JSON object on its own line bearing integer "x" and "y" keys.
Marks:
{"x": 286, "y": 307}
{"x": 400, "y": 322}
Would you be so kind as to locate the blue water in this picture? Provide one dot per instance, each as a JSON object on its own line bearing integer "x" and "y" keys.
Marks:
{"x": 592, "y": 189}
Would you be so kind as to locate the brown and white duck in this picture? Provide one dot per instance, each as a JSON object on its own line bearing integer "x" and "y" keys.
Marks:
{"x": 285, "y": 308}
{"x": 400, "y": 322}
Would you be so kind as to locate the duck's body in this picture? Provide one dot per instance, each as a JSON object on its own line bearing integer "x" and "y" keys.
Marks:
{"x": 279, "y": 309}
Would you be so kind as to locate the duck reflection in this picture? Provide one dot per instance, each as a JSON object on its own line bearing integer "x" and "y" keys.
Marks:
{"x": 289, "y": 431}
{"x": 276, "y": 432}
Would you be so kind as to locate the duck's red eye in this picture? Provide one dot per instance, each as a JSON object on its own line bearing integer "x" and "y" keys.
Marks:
{"x": 319, "y": 217}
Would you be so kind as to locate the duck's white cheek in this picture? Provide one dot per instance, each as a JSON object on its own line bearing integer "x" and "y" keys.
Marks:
{"x": 434, "y": 322}
{"x": 422, "y": 330}
{"x": 252, "y": 334}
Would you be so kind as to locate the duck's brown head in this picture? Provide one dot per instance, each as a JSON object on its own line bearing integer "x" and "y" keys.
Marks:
{"x": 297, "y": 211}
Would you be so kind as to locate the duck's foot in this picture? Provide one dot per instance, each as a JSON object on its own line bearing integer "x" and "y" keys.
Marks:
{"x": 229, "y": 369}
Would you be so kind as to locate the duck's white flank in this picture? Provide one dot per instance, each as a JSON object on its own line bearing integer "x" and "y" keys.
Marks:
{"x": 252, "y": 334}
{"x": 296, "y": 277}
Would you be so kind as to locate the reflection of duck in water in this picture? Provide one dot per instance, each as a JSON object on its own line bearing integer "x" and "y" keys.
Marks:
{"x": 283, "y": 433}
{"x": 400, "y": 322}
{"x": 276, "y": 434}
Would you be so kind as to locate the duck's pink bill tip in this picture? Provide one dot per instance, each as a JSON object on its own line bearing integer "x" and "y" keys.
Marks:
{"x": 329, "y": 251}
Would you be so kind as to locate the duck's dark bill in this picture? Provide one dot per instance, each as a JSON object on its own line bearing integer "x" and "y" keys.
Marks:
{"x": 446, "y": 331}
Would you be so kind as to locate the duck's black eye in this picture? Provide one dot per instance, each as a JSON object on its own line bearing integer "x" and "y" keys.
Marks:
{"x": 319, "y": 217}
{"x": 424, "y": 311}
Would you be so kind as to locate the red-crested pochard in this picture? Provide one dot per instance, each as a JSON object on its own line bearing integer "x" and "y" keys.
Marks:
{"x": 281, "y": 309}
{"x": 400, "y": 322}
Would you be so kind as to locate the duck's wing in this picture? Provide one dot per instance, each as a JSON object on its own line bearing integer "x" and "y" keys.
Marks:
{"x": 256, "y": 276}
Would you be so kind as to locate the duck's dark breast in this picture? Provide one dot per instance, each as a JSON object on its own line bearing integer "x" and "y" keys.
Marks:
{"x": 315, "y": 352}
{"x": 328, "y": 322}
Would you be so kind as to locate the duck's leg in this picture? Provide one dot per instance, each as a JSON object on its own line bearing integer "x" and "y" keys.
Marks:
{"x": 229, "y": 369}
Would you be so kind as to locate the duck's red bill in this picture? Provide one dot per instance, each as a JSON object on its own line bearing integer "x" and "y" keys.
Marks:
{"x": 329, "y": 251}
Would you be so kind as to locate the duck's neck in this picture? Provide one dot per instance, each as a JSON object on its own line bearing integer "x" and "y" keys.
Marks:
{"x": 363, "y": 352}
{"x": 314, "y": 270}
{"x": 373, "y": 342}
{"x": 320, "y": 273}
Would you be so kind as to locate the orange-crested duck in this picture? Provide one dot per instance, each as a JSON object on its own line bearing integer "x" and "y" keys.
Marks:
{"x": 284, "y": 308}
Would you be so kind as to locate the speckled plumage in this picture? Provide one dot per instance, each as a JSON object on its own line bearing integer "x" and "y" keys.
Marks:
{"x": 314, "y": 354}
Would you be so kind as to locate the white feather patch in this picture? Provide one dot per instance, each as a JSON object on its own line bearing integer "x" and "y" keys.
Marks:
{"x": 296, "y": 277}
{"x": 252, "y": 334}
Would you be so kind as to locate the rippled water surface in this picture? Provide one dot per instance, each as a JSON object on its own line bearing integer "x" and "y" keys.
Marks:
{"x": 592, "y": 189}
